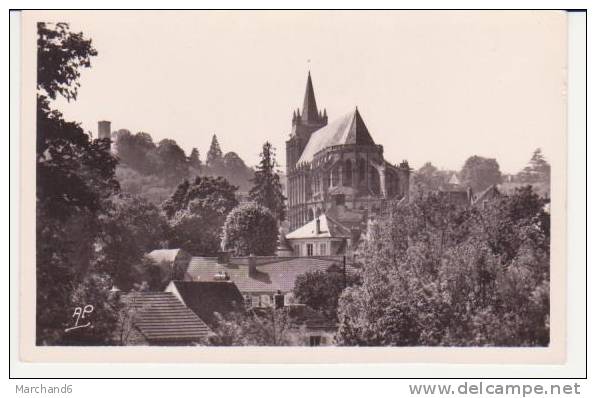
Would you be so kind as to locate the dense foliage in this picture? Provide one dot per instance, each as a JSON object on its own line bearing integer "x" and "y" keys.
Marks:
{"x": 130, "y": 227}
{"x": 263, "y": 327}
{"x": 75, "y": 178}
{"x": 153, "y": 171}
{"x": 321, "y": 289}
{"x": 436, "y": 274}
{"x": 250, "y": 229}
{"x": 428, "y": 179}
{"x": 480, "y": 173}
{"x": 196, "y": 213}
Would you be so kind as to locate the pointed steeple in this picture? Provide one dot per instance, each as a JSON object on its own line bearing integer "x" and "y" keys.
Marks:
{"x": 309, "y": 107}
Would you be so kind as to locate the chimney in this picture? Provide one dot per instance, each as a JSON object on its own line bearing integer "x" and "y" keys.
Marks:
{"x": 318, "y": 227}
{"x": 104, "y": 129}
{"x": 278, "y": 300}
{"x": 223, "y": 257}
{"x": 252, "y": 265}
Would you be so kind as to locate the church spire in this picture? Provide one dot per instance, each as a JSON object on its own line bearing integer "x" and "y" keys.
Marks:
{"x": 309, "y": 108}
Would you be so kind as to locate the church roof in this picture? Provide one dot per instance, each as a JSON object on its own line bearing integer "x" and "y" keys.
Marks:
{"x": 310, "y": 112}
{"x": 349, "y": 129}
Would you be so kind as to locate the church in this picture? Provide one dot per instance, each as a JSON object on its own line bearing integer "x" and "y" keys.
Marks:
{"x": 336, "y": 169}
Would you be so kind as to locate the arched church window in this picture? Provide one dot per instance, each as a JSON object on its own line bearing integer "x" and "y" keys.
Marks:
{"x": 374, "y": 181}
{"x": 347, "y": 177}
{"x": 361, "y": 169}
{"x": 335, "y": 176}
{"x": 310, "y": 215}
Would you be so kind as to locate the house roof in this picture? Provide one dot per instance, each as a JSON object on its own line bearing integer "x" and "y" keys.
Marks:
{"x": 328, "y": 228}
{"x": 161, "y": 255}
{"x": 349, "y": 129}
{"x": 272, "y": 273}
{"x": 488, "y": 193}
{"x": 162, "y": 318}
{"x": 454, "y": 180}
{"x": 205, "y": 298}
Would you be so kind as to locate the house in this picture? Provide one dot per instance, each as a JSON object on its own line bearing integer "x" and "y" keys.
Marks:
{"x": 205, "y": 298}
{"x": 159, "y": 318}
{"x": 483, "y": 198}
{"x": 173, "y": 261}
{"x": 259, "y": 278}
{"x": 322, "y": 236}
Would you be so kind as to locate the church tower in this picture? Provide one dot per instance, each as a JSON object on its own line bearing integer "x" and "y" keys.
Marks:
{"x": 298, "y": 178}
{"x": 303, "y": 125}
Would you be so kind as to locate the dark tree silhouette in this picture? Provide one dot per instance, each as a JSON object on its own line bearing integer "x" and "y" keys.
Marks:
{"x": 75, "y": 176}
{"x": 267, "y": 190}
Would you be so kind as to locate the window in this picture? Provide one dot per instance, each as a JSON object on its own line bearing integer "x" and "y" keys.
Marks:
{"x": 315, "y": 341}
{"x": 266, "y": 300}
{"x": 340, "y": 200}
{"x": 375, "y": 181}
{"x": 347, "y": 177}
{"x": 297, "y": 250}
{"x": 361, "y": 169}
{"x": 309, "y": 249}
{"x": 335, "y": 176}
{"x": 323, "y": 249}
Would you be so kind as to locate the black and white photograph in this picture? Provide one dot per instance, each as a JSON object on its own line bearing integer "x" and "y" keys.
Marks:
{"x": 314, "y": 179}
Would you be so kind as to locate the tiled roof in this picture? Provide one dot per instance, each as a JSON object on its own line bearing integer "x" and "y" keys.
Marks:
{"x": 272, "y": 273}
{"x": 160, "y": 255}
{"x": 205, "y": 298}
{"x": 328, "y": 228}
{"x": 163, "y": 319}
{"x": 350, "y": 129}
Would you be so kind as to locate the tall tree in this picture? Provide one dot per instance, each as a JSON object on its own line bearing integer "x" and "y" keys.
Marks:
{"x": 75, "y": 176}
{"x": 267, "y": 189}
{"x": 250, "y": 229}
{"x": 194, "y": 160}
{"x": 537, "y": 170}
{"x": 196, "y": 213}
{"x": 214, "y": 155}
{"x": 480, "y": 173}
{"x": 130, "y": 227}
{"x": 173, "y": 160}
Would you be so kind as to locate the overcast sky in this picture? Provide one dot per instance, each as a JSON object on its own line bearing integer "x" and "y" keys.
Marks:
{"x": 431, "y": 86}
